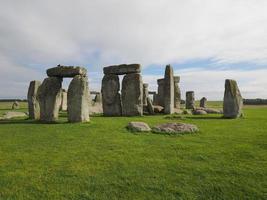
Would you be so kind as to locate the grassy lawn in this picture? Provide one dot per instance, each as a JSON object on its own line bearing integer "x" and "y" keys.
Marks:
{"x": 227, "y": 159}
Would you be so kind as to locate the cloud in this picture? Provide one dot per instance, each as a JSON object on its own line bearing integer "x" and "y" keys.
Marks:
{"x": 36, "y": 35}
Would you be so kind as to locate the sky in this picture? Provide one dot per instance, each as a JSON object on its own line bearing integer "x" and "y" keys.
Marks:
{"x": 206, "y": 42}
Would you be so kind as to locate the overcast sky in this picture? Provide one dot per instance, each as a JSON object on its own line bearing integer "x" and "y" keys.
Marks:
{"x": 206, "y": 41}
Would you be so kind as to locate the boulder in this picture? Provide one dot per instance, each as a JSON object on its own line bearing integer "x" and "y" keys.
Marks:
{"x": 158, "y": 109}
{"x": 66, "y": 71}
{"x": 122, "y": 69}
{"x": 49, "y": 97}
{"x": 212, "y": 111}
{"x": 190, "y": 100}
{"x": 168, "y": 90}
{"x": 132, "y": 95}
{"x": 33, "y": 103}
{"x": 138, "y": 127}
{"x": 78, "y": 95}
{"x": 232, "y": 102}
{"x": 111, "y": 98}
{"x": 175, "y": 128}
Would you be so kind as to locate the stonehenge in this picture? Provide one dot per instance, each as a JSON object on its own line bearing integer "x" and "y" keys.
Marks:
{"x": 63, "y": 104}
{"x": 78, "y": 107}
{"x": 111, "y": 98}
{"x": 168, "y": 90}
{"x": 232, "y": 101}
{"x": 190, "y": 100}
{"x": 47, "y": 98}
{"x": 33, "y": 103}
{"x": 177, "y": 92}
{"x": 203, "y": 102}
{"x": 130, "y": 101}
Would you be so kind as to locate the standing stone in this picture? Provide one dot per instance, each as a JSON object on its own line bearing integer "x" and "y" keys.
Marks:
{"x": 15, "y": 105}
{"x": 145, "y": 94}
{"x": 160, "y": 95}
{"x": 33, "y": 103}
{"x": 63, "y": 105}
{"x": 177, "y": 92}
{"x": 49, "y": 97}
{"x": 132, "y": 95}
{"x": 98, "y": 98}
{"x": 111, "y": 99}
{"x": 168, "y": 90}
{"x": 150, "y": 107}
{"x": 203, "y": 102}
{"x": 232, "y": 102}
{"x": 190, "y": 100}
{"x": 78, "y": 95}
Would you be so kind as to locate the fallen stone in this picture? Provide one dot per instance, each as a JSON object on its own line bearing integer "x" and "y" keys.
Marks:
{"x": 175, "y": 128}
{"x": 132, "y": 95}
{"x": 66, "y": 71}
{"x": 12, "y": 114}
{"x": 187, "y": 112}
{"x": 233, "y": 102}
{"x": 122, "y": 69}
{"x": 158, "y": 109}
{"x": 138, "y": 127}
{"x": 78, "y": 95}
{"x": 111, "y": 98}
{"x": 199, "y": 112}
{"x": 213, "y": 111}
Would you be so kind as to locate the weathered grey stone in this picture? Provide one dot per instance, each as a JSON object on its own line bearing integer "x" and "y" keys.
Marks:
{"x": 122, "y": 69}
{"x": 160, "y": 95}
{"x": 203, "y": 102}
{"x": 15, "y": 105}
{"x": 33, "y": 103}
{"x": 158, "y": 109}
{"x": 199, "y": 112}
{"x": 177, "y": 92}
{"x": 66, "y": 71}
{"x": 132, "y": 95}
{"x": 78, "y": 94}
{"x": 12, "y": 114}
{"x": 49, "y": 97}
{"x": 111, "y": 99}
{"x": 175, "y": 128}
{"x": 190, "y": 100}
{"x": 145, "y": 94}
{"x": 150, "y": 106}
{"x": 168, "y": 90}
{"x": 138, "y": 127}
{"x": 64, "y": 100}
{"x": 98, "y": 98}
{"x": 232, "y": 102}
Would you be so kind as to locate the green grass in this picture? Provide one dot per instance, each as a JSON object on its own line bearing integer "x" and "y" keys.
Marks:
{"x": 227, "y": 159}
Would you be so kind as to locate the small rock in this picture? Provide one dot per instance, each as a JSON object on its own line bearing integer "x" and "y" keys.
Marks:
{"x": 138, "y": 127}
{"x": 175, "y": 128}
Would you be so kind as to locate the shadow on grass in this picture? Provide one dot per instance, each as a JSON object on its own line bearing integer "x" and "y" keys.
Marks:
{"x": 28, "y": 121}
{"x": 208, "y": 117}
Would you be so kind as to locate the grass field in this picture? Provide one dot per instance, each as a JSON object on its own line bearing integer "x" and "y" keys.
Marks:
{"x": 227, "y": 159}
